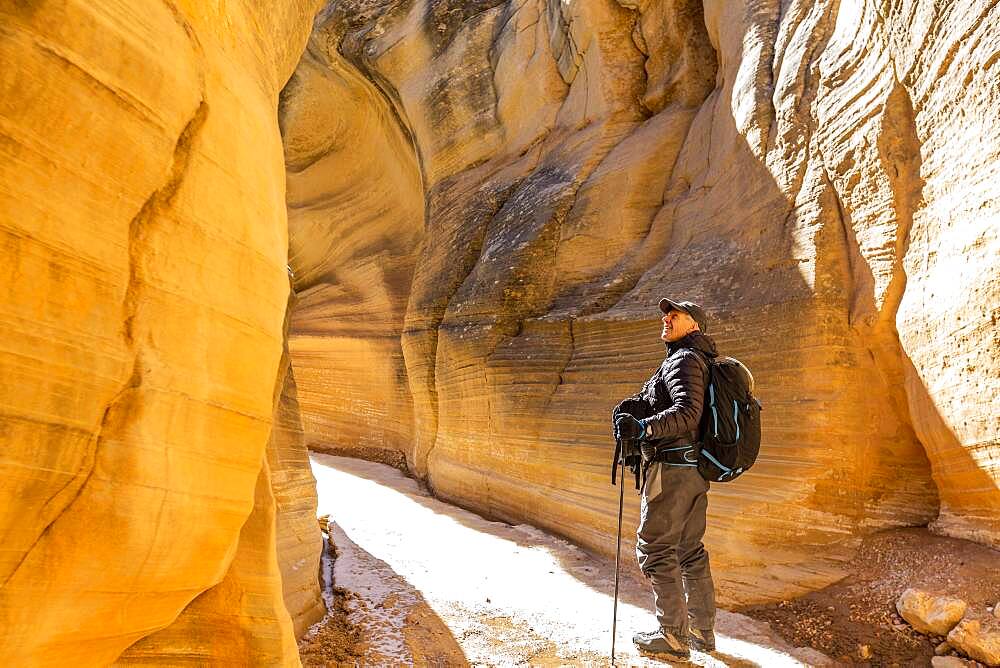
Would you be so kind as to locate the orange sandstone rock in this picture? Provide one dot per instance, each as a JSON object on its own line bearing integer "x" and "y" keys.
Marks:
{"x": 353, "y": 244}
{"x": 143, "y": 252}
{"x": 270, "y": 593}
{"x": 930, "y": 614}
{"x": 810, "y": 173}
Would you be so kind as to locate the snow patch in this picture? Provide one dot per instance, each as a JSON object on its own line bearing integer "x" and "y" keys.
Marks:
{"x": 379, "y": 604}
{"x": 508, "y": 594}
{"x": 326, "y": 569}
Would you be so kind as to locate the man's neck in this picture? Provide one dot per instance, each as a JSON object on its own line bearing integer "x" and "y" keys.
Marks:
{"x": 683, "y": 342}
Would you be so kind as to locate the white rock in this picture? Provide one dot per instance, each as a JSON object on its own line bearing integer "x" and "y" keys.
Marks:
{"x": 928, "y": 613}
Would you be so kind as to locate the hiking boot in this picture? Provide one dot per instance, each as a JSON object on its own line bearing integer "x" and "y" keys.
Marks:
{"x": 662, "y": 642}
{"x": 701, "y": 640}
{"x": 645, "y": 635}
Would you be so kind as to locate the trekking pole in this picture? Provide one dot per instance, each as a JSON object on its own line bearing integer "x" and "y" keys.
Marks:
{"x": 618, "y": 549}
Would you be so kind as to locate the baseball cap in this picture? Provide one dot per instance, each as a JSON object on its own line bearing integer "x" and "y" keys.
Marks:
{"x": 690, "y": 308}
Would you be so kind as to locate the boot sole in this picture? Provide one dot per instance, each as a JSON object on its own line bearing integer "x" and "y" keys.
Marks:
{"x": 665, "y": 655}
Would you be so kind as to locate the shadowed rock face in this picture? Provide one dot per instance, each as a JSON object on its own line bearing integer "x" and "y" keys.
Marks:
{"x": 487, "y": 199}
{"x": 143, "y": 281}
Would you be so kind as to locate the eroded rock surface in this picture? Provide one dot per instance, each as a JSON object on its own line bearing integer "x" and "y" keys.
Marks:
{"x": 489, "y": 198}
{"x": 979, "y": 639}
{"x": 142, "y": 253}
{"x": 270, "y": 593}
{"x": 298, "y": 539}
{"x": 930, "y": 614}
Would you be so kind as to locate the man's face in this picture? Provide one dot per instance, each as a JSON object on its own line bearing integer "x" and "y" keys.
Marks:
{"x": 677, "y": 325}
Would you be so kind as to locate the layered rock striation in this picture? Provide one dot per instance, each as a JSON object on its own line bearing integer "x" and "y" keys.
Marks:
{"x": 486, "y": 200}
{"x": 356, "y": 194}
{"x": 143, "y": 251}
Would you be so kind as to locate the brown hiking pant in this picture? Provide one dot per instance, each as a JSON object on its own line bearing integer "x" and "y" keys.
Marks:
{"x": 670, "y": 551}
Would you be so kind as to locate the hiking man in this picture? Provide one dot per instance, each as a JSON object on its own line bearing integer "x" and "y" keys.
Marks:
{"x": 662, "y": 420}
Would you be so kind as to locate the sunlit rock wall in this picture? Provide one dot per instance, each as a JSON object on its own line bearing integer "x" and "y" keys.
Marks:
{"x": 298, "y": 540}
{"x": 822, "y": 176}
{"x": 270, "y": 594}
{"x": 356, "y": 198}
{"x": 142, "y": 251}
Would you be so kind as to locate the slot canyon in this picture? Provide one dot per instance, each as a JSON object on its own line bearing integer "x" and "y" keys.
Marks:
{"x": 433, "y": 234}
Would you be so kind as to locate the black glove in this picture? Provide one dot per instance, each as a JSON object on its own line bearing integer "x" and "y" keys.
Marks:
{"x": 627, "y": 428}
{"x": 630, "y": 450}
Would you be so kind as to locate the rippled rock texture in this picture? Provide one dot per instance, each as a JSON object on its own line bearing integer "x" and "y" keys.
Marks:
{"x": 486, "y": 200}
{"x": 142, "y": 252}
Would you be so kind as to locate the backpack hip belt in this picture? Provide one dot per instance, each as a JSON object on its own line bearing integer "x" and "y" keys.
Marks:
{"x": 682, "y": 455}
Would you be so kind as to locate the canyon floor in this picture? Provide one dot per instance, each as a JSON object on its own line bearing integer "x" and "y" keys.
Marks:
{"x": 859, "y": 611}
{"x": 415, "y": 580}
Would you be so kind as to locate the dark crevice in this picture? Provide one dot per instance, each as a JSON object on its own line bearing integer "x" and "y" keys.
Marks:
{"x": 139, "y": 226}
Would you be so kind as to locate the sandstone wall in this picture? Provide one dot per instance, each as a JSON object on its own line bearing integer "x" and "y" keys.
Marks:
{"x": 298, "y": 540}
{"x": 821, "y": 175}
{"x": 270, "y": 593}
{"x": 359, "y": 218}
{"x": 143, "y": 251}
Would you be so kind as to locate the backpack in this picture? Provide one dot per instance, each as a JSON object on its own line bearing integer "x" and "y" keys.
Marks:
{"x": 730, "y": 422}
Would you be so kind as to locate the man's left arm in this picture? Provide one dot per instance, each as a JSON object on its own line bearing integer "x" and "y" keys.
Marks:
{"x": 686, "y": 385}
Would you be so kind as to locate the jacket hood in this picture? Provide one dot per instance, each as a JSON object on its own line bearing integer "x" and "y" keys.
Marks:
{"x": 696, "y": 340}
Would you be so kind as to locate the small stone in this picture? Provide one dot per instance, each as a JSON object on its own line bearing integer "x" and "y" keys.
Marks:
{"x": 864, "y": 652}
{"x": 942, "y": 649}
{"x": 949, "y": 662}
{"x": 928, "y": 613}
{"x": 976, "y": 640}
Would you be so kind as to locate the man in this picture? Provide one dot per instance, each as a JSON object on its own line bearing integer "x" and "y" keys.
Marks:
{"x": 674, "y": 500}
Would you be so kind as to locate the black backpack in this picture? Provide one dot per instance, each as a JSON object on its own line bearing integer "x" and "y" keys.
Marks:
{"x": 730, "y": 422}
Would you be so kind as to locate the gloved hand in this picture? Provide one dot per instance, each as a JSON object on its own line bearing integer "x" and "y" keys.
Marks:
{"x": 627, "y": 428}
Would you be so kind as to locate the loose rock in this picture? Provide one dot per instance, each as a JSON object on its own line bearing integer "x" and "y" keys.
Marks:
{"x": 949, "y": 662}
{"x": 979, "y": 641}
{"x": 942, "y": 648}
{"x": 929, "y": 613}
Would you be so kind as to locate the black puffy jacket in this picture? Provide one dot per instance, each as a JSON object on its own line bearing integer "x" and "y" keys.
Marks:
{"x": 675, "y": 394}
